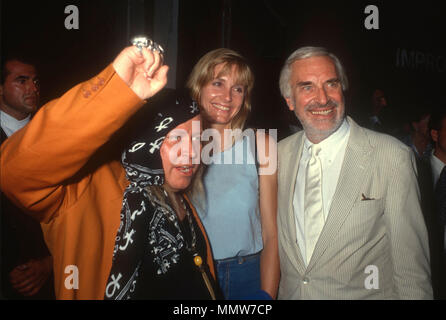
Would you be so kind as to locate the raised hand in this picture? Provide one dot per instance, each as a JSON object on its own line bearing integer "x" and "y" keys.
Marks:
{"x": 141, "y": 70}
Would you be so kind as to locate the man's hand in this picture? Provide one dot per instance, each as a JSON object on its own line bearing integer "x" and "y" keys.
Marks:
{"x": 142, "y": 71}
{"x": 29, "y": 277}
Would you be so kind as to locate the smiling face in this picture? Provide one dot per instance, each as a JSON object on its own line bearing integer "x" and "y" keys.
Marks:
{"x": 316, "y": 97}
{"x": 180, "y": 153}
{"x": 222, "y": 98}
{"x": 20, "y": 91}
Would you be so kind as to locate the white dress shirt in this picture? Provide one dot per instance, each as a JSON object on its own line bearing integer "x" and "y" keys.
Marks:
{"x": 10, "y": 124}
{"x": 331, "y": 155}
{"x": 436, "y": 165}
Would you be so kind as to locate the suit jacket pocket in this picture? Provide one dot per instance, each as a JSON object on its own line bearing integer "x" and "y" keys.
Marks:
{"x": 369, "y": 205}
{"x": 365, "y": 216}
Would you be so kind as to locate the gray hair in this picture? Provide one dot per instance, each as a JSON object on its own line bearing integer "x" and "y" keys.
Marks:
{"x": 304, "y": 53}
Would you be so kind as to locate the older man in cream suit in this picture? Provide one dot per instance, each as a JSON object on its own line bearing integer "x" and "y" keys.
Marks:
{"x": 349, "y": 218}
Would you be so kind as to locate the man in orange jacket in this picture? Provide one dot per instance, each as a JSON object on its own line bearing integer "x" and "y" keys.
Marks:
{"x": 78, "y": 210}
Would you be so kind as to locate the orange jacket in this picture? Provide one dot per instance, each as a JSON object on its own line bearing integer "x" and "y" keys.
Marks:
{"x": 79, "y": 219}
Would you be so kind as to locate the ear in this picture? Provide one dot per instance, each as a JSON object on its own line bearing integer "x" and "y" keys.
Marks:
{"x": 290, "y": 103}
{"x": 434, "y": 135}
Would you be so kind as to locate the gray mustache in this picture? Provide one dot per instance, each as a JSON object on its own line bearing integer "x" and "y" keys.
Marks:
{"x": 316, "y": 105}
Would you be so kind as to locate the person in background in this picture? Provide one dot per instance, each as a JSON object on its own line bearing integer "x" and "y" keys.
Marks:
{"x": 238, "y": 204}
{"x": 26, "y": 265}
{"x": 437, "y": 126}
{"x": 436, "y": 184}
{"x": 419, "y": 140}
{"x": 379, "y": 103}
{"x": 419, "y": 137}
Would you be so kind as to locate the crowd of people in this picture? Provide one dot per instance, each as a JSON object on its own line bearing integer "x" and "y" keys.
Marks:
{"x": 107, "y": 180}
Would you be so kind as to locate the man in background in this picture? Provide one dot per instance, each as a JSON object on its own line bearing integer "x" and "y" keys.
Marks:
{"x": 437, "y": 127}
{"x": 26, "y": 264}
{"x": 437, "y": 179}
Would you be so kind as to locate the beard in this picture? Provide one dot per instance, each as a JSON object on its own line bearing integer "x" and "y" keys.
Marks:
{"x": 312, "y": 126}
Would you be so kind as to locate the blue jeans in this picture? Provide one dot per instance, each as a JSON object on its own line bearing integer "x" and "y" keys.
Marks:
{"x": 239, "y": 277}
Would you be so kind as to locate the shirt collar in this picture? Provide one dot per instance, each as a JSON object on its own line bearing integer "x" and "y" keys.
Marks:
{"x": 375, "y": 120}
{"x": 436, "y": 164}
{"x": 330, "y": 145}
{"x": 11, "y": 124}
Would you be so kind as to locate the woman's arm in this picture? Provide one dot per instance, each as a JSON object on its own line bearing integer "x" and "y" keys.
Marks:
{"x": 269, "y": 260}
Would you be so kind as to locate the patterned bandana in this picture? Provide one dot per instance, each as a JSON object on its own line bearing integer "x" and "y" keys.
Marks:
{"x": 143, "y": 166}
{"x": 142, "y": 159}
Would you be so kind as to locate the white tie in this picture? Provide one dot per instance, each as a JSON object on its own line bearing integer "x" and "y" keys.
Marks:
{"x": 313, "y": 207}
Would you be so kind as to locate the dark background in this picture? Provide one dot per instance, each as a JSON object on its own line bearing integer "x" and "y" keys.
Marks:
{"x": 266, "y": 32}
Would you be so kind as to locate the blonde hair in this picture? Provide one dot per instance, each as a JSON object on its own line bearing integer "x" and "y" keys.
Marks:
{"x": 203, "y": 73}
{"x": 166, "y": 198}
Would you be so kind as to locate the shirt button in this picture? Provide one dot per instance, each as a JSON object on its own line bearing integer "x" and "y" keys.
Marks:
{"x": 305, "y": 280}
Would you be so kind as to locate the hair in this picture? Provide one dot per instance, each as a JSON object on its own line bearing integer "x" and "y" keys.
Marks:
{"x": 304, "y": 53}
{"x": 203, "y": 73}
{"x": 196, "y": 191}
{"x": 4, "y": 72}
{"x": 158, "y": 193}
{"x": 415, "y": 114}
{"x": 165, "y": 197}
{"x": 436, "y": 119}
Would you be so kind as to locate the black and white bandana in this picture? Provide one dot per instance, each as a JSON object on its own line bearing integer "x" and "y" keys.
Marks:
{"x": 143, "y": 167}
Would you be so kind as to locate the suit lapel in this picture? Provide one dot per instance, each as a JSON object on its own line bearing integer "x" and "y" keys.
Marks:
{"x": 354, "y": 168}
{"x": 289, "y": 175}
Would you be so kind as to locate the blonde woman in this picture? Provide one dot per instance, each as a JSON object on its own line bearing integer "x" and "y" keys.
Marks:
{"x": 237, "y": 205}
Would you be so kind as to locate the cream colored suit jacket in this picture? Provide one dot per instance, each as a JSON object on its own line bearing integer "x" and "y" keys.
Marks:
{"x": 374, "y": 242}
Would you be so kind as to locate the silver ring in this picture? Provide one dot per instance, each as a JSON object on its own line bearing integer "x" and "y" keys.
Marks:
{"x": 158, "y": 48}
{"x": 143, "y": 41}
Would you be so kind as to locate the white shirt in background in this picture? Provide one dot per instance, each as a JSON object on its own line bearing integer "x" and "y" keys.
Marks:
{"x": 10, "y": 124}
{"x": 436, "y": 165}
